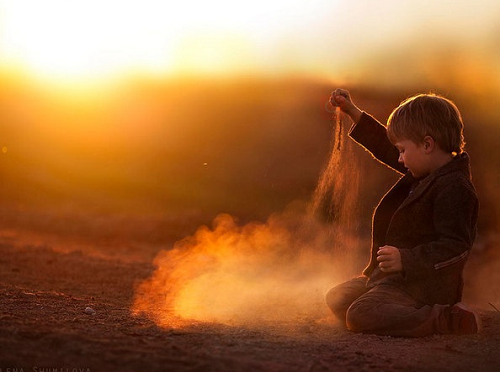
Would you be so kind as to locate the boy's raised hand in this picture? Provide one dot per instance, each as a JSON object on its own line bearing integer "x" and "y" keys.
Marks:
{"x": 342, "y": 99}
{"x": 389, "y": 259}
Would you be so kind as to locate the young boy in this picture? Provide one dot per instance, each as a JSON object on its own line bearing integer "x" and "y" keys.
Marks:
{"x": 422, "y": 229}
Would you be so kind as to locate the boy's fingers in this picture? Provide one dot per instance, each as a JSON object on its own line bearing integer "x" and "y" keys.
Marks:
{"x": 385, "y": 268}
{"x": 384, "y": 258}
{"x": 339, "y": 100}
{"x": 383, "y": 252}
{"x": 339, "y": 96}
{"x": 341, "y": 92}
{"x": 336, "y": 99}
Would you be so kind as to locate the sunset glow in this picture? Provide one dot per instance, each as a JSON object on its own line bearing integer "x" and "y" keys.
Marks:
{"x": 98, "y": 39}
{"x": 86, "y": 39}
{"x": 57, "y": 40}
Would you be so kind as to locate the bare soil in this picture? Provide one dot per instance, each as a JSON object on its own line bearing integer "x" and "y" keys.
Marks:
{"x": 44, "y": 327}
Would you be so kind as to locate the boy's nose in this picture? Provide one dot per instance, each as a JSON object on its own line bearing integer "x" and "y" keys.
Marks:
{"x": 400, "y": 159}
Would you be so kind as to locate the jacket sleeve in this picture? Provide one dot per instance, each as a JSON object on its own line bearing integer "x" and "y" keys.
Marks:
{"x": 455, "y": 216}
{"x": 372, "y": 135}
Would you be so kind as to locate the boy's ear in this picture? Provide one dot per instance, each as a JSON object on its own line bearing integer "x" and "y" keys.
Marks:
{"x": 429, "y": 144}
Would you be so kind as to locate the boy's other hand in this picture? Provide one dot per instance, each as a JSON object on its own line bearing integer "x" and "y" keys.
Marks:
{"x": 389, "y": 259}
{"x": 342, "y": 99}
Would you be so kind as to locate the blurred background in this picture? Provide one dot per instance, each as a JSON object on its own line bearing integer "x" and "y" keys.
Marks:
{"x": 129, "y": 123}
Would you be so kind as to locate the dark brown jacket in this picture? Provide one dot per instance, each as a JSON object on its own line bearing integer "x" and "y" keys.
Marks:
{"x": 431, "y": 221}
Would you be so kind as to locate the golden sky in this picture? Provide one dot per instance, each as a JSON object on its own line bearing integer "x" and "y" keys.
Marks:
{"x": 93, "y": 134}
{"x": 87, "y": 40}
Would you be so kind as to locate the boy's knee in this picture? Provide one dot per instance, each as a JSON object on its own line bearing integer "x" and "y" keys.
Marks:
{"x": 336, "y": 302}
{"x": 340, "y": 297}
{"x": 331, "y": 298}
{"x": 359, "y": 318}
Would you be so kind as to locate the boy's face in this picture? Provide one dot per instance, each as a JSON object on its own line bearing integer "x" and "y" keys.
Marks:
{"x": 413, "y": 157}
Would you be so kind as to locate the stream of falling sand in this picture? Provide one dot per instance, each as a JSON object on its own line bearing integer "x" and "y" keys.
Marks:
{"x": 334, "y": 199}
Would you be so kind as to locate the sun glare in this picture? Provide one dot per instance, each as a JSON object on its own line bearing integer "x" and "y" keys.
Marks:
{"x": 96, "y": 39}
{"x": 92, "y": 39}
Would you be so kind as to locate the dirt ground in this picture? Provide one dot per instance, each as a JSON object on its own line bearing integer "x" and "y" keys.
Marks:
{"x": 44, "y": 327}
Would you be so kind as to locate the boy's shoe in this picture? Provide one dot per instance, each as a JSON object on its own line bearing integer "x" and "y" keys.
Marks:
{"x": 464, "y": 321}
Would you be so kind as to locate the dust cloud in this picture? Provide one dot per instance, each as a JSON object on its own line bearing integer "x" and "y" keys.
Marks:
{"x": 273, "y": 271}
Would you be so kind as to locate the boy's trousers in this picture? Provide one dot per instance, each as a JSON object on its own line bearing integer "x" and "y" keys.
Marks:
{"x": 385, "y": 310}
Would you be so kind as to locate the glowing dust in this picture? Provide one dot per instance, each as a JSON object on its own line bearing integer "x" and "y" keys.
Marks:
{"x": 277, "y": 271}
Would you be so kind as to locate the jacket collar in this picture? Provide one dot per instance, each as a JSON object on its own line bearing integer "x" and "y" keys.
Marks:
{"x": 461, "y": 163}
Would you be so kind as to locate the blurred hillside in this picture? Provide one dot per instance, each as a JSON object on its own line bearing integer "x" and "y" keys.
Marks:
{"x": 151, "y": 160}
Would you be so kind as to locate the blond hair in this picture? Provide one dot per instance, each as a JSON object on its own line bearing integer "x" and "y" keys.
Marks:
{"x": 428, "y": 115}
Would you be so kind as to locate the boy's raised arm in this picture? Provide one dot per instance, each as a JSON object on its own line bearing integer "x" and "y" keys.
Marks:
{"x": 367, "y": 131}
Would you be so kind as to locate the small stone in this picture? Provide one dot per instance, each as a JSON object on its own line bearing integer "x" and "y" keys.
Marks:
{"x": 89, "y": 311}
